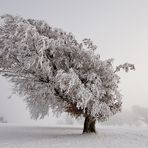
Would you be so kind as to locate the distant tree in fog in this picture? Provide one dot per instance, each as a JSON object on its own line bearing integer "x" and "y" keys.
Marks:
{"x": 141, "y": 113}
{"x": 2, "y": 120}
{"x": 136, "y": 116}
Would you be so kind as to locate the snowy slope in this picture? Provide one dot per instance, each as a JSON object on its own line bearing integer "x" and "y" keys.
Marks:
{"x": 53, "y": 137}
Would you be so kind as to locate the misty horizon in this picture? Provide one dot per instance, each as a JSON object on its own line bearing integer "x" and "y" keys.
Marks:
{"x": 119, "y": 29}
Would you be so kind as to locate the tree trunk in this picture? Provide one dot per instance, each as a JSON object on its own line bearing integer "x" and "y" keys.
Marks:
{"x": 89, "y": 125}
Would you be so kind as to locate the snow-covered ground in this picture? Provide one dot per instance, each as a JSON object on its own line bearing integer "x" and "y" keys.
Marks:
{"x": 71, "y": 137}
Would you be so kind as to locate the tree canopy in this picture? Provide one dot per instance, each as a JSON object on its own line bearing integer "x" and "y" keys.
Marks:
{"x": 52, "y": 70}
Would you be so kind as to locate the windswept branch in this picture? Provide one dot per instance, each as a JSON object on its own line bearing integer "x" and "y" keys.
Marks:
{"x": 126, "y": 67}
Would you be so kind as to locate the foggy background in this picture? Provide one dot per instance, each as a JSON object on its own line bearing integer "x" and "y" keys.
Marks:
{"x": 120, "y": 30}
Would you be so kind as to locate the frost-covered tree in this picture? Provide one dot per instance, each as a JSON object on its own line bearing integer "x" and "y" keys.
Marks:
{"x": 52, "y": 70}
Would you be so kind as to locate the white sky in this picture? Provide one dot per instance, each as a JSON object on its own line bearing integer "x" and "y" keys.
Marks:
{"x": 118, "y": 27}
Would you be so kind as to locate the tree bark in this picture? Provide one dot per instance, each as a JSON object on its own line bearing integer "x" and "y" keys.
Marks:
{"x": 89, "y": 125}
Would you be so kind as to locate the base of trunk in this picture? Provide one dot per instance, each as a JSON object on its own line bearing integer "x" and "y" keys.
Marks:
{"x": 89, "y": 125}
